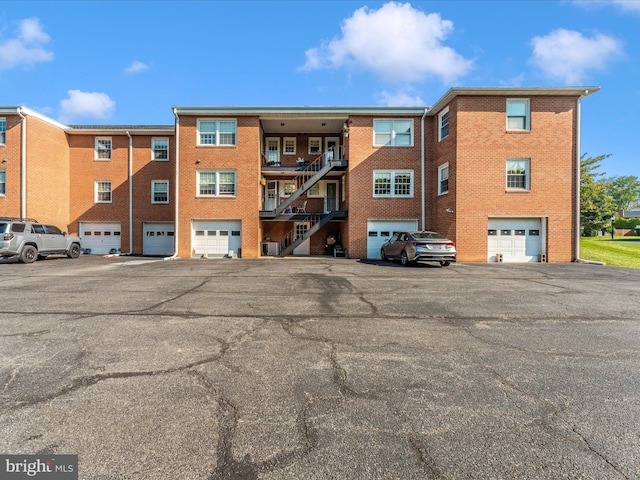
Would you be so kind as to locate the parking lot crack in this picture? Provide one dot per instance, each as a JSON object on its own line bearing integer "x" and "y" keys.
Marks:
{"x": 591, "y": 448}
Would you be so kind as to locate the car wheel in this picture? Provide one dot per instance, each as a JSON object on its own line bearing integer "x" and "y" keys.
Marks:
{"x": 29, "y": 254}
{"x": 404, "y": 259}
{"x": 383, "y": 255}
{"x": 74, "y": 251}
{"x": 445, "y": 263}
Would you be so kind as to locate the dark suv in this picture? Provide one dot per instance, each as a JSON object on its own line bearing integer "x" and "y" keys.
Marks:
{"x": 29, "y": 240}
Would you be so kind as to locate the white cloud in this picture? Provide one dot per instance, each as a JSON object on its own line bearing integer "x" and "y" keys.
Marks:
{"x": 401, "y": 98}
{"x": 27, "y": 48}
{"x": 396, "y": 42}
{"x": 568, "y": 56}
{"x": 136, "y": 67}
{"x": 625, "y": 5}
{"x": 86, "y": 105}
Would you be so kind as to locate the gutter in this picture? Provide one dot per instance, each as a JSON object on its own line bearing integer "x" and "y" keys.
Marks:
{"x": 578, "y": 176}
{"x": 23, "y": 164}
{"x": 130, "y": 192}
{"x": 175, "y": 195}
{"x": 422, "y": 175}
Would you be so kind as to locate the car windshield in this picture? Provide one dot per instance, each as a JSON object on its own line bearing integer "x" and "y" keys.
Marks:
{"x": 428, "y": 235}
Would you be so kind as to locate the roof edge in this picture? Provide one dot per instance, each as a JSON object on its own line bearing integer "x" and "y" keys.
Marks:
{"x": 577, "y": 91}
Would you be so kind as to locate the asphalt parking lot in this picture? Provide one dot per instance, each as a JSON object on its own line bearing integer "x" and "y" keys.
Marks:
{"x": 321, "y": 368}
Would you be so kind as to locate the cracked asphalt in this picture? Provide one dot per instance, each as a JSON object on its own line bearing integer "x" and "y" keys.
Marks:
{"x": 321, "y": 368}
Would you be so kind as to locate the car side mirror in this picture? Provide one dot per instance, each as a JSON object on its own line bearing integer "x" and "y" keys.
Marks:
{"x": 64, "y": 234}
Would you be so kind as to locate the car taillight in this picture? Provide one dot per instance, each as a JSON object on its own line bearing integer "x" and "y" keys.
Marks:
{"x": 7, "y": 236}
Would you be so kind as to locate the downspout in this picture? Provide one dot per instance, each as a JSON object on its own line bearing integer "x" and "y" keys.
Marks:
{"x": 422, "y": 175}
{"x": 175, "y": 195}
{"x": 130, "y": 193}
{"x": 578, "y": 174}
{"x": 23, "y": 165}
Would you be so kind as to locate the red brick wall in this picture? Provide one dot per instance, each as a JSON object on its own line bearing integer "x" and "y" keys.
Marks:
{"x": 48, "y": 192}
{"x": 10, "y": 202}
{"x": 364, "y": 158}
{"x": 85, "y": 170}
{"x": 483, "y": 145}
{"x": 245, "y": 159}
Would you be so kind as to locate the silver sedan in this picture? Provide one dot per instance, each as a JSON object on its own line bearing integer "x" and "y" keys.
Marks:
{"x": 409, "y": 247}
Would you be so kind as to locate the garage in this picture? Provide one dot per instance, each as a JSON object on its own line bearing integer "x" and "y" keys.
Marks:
{"x": 157, "y": 238}
{"x": 378, "y": 231}
{"x": 100, "y": 238}
{"x": 215, "y": 238}
{"x": 516, "y": 239}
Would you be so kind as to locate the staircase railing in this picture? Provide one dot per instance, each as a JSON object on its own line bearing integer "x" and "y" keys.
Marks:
{"x": 315, "y": 221}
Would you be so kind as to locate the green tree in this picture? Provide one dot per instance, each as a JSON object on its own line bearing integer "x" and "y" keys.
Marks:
{"x": 596, "y": 206}
{"x": 624, "y": 190}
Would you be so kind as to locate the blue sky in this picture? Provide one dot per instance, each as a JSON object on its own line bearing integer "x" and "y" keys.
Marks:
{"x": 128, "y": 62}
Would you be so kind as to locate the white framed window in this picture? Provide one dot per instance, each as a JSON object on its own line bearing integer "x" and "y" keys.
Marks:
{"x": 393, "y": 183}
{"x": 273, "y": 150}
{"x": 443, "y": 124}
{"x": 217, "y": 132}
{"x": 216, "y": 183}
{"x": 393, "y": 133}
{"x": 103, "y": 191}
{"x": 315, "y": 145}
{"x": 289, "y": 145}
{"x": 518, "y": 174}
{"x": 443, "y": 179}
{"x": 3, "y": 131}
{"x": 317, "y": 191}
{"x": 518, "y": 114}
{"x": 103, "y": 148}
{"x": 159, "y": 191}
{"x": 160, "y": 149}
{"x": 288, "y": 188}
{"x": 3, "y": 182}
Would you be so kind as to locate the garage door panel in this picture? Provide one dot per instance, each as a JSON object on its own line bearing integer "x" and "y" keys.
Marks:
{"x": 517, "y": 239}
{"x": 216, "y": 238}
{"x": 379, "y": 231}
{"x": 100, "y": 238}
{"x": 158, "y": 239}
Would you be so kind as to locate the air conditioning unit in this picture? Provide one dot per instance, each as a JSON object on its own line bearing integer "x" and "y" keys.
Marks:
{"x": 271, "y": 248}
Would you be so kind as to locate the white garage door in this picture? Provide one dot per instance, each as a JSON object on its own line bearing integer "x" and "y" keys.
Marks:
{"x": 101, "y": 238}
{"x": 517, "y": 239}
{"x": 157, "y": 239}
{"x": 215, "y": 238}
{"x": 378, "y": 231}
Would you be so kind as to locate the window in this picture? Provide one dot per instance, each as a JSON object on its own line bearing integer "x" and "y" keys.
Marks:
{"x": 388, "y": 183}
{"x": 290, "y": 145}
{"x": 3, "y": 182}
{"x": 443, "y": 124}
{"x": 160, "y": 191}
{"x": 160, "y": 149}
{"x": 315, "y": 145}
{"x": 393, "y": 133}
{"x": 518, "y": 114}
{"x": 518, "y": 174}
{"x": 216, "y": 183}
{"x": 217, "y": 132}
{"x": 103, "y": 191}
{"x": 316, "y": 191}
{"x": 443, "y": 179}
{"x": 103, "y": 149}
{"x": 3, "y": 131}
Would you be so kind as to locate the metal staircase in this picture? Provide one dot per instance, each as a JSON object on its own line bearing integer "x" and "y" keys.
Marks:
{"x": 316, "y": 221}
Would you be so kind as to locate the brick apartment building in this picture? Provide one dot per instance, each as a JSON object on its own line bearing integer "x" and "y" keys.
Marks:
{"x": 494, "y": 169}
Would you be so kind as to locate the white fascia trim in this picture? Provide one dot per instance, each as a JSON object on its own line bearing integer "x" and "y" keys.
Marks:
{"x": 5, "y": 110}
{"x": 300, "y": 112}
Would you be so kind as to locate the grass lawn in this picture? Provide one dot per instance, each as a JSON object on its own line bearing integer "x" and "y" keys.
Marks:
{"x": 619, "y": 252}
